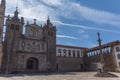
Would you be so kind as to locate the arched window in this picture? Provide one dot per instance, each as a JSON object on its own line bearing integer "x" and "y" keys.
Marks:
{"x": 17, "y": 27}
{"x": 64, "y": 52}
{"x": 59, "y": 52}
{"x": 78, "y": 53}
{"x": 117, "y": 49}
{"x": 69, "y": 53}
{"x": 118, "y": 56}
{"x": 73, "y": 53}
{"x": 12, "y": 27}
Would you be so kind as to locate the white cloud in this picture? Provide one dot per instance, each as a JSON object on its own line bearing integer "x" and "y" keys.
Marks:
{"x": 40, "y": 9}
{"x": 78, "y": 11}
{"x": 31, "y": 9}
{"x": 52, "y": 2}
{"x": 64, "y": 36}
{"x": 86, "y": 27}
{"x": 98, "y": 16}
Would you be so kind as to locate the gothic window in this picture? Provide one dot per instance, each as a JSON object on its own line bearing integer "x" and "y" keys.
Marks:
{"x": 117, "y": 49}
{"x": 17, "y": 27}
{"x": 12, "y": 27}
{"x": 118, "y": 56}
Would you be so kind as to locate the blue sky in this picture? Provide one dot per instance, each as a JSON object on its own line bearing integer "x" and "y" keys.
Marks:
{"x": 77, "y": 21}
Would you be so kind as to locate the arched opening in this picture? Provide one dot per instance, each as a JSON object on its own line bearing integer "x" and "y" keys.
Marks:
{"x": 32, "y": 64}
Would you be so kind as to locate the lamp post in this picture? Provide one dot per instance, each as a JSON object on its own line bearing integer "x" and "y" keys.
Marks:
{"x": 101, "y": 64}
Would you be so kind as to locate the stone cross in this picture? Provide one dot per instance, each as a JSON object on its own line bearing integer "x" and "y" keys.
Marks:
{"x": 99, "y": 41}
{"x": 101, "y": 65}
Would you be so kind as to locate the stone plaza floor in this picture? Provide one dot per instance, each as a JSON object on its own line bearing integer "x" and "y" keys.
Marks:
{"x": 58, "y": 76}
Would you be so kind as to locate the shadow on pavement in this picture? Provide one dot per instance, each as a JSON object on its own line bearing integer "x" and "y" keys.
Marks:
{"x": 105, "y": 75}
{"x": 37, "y": 74}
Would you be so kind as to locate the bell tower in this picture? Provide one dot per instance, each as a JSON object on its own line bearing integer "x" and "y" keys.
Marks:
{"x": 50, "y": 38}
{"x": 2, "y": 14}
{"x": 14, "y": 28}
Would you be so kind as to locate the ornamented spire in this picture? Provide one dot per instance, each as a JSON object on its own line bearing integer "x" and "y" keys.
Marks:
{"x": 48, "y": 20}
{"x": 3, "y": 3}
{"x": 34, "y": 21}
{"x": 16, "y": 12}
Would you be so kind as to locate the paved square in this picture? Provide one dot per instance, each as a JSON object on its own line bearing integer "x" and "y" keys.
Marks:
{"x": 57, "y": 76}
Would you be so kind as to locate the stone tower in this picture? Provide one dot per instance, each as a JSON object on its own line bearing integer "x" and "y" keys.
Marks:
{"x": 50, "y": 37}
{"x": 2, "y": 14}
{"x": 14, "y": 28}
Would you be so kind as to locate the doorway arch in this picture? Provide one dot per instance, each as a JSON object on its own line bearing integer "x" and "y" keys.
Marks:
{"x": 32, "y": 63}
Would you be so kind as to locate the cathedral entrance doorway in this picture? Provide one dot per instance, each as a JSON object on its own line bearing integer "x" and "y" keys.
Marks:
{"x": 32, "y": 64}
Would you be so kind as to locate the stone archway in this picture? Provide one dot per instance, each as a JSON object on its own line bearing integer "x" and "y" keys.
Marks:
{"x": 32, "y": 64}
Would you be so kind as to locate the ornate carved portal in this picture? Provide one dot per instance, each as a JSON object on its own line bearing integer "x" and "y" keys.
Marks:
{"x": 32, "y": 64}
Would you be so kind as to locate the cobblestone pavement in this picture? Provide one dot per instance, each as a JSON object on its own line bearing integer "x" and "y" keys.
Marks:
{"x": 57, "y": 76}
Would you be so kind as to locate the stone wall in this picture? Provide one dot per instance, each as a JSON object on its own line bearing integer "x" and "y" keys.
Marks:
{"x": 69, "y": 64}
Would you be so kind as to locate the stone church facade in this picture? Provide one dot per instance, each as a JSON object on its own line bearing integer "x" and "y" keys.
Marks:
{"x": 37, "y": 51}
